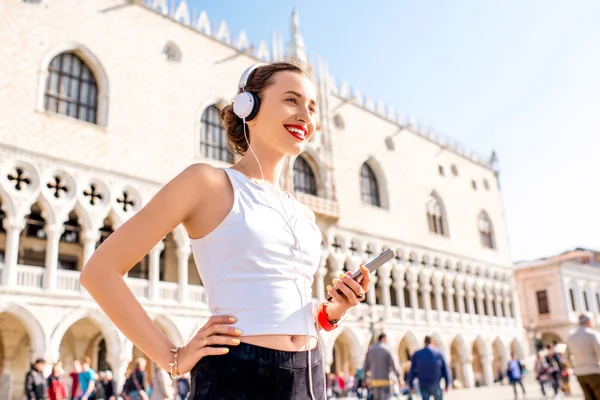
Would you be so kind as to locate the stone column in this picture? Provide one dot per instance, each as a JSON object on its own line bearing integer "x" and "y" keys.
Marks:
{"x": 489, "y": 298}
{"x": 437, "y": 289}
{"x": 398, "y": 274}
{"x": 371, "y": 297}
{"x": 13, "y": 227}
{"x": 154, "y": 270}
{"x": 6, "y": 379}
{"x": 579, "y": 288}
{"x": 183, "y": 257}
{"x": 53, "y": 233}
{"x": 479, "y": 296}
{"x": 413, "y": 286}
{"x": 467, "y": 370}
{"x": 507, "y": 305}
{"x": 594, "y": 304}
{"x": 488, "y": 373}
{"x": 449, "y": 292}
{"x": 385, "y": 283}
{"x": 90, "y": 238}
{"x": 425, "y": 295}
{"x": 470, "y": 295}
{"x": 498, "y": 302}
{"x": 460, "y": 293}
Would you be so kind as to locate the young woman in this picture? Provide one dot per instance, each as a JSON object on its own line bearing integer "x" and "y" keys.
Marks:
{"x": 256, "y": 248}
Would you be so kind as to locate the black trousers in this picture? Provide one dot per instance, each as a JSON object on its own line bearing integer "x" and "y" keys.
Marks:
{"x": 251, "y": 372}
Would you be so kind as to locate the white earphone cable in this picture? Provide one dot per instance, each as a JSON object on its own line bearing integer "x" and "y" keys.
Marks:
{"x": 293, "y": 231}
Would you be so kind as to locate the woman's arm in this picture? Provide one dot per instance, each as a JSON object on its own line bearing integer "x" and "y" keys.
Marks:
{"x": 103, "y": 275}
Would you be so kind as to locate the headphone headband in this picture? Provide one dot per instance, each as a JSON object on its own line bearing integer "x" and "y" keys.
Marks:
{"x": 246, "y": 75}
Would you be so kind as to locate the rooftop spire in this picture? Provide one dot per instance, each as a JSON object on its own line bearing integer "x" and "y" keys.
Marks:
{"x": 295, "y": 47}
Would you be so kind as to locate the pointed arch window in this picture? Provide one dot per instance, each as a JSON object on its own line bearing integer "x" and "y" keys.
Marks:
{"x": 304, "y": 177}
{"x": 213, "y": 137}
{"x": 71, "y": 88}
{"x": 436, "y": 216}
{"x": 369, "y": 187}
{"x": 486, "y": 230}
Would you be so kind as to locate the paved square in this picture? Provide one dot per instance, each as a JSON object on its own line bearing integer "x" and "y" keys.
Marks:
{"x": 505, "y": 392}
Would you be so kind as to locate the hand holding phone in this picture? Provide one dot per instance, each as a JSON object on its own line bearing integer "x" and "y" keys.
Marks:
{"x": 371, "y": 266}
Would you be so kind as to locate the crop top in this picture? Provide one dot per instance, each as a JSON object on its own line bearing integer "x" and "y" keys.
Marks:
{"x": 251, "y": 264}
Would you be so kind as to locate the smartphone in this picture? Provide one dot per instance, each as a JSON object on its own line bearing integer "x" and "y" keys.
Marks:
{"x": 372, "y": 266}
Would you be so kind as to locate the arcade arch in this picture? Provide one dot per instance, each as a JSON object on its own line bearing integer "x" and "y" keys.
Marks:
{"x": 345, "y": 350}
{"x": 458, "y": 357}
{"x": 16, "y": 349}
{"x": 408, "y": 345}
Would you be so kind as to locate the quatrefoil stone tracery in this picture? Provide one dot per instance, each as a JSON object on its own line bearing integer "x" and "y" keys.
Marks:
{"x": 57, "y": 186}
{"x": 19, "y": 179}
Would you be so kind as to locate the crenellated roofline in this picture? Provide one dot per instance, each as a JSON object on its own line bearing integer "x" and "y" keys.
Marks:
{"x": 200, "y": 23}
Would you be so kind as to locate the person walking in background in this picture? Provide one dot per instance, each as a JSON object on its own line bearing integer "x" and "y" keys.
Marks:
{"x": 554, "y": 369}
{"x": 541, "y": 373}
{"x": 35, "y": 384}
{"x": 514, "y": 372}
{"x": 74, "y": 375}
{"x": 57, "y": 387}
{"x": 135, "y": 385}
{"x": 583, "y": 353}
{"x": 87, "y": 380}
{"x": 564, "y": 374}
{"x": 110, "y": 386}
{"x": 183, "y": 387}
{"x": 162, "y": 385}
{"x": 429, "y": 366}
{"x": 378, "y": 366}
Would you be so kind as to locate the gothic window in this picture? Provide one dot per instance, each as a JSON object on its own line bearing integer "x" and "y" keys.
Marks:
{"x": 213, "y": 137}
{"x": 35, "y": 223}
{"x": 72, "y": 229}
{"x": 304, "y": 177}
{"x": 436, "y": 218}
{"x": 486, "y": 231}
{"x": 369, "y": 187}
{"x": 105, "y": 231}
{"x": 71, "y": 88}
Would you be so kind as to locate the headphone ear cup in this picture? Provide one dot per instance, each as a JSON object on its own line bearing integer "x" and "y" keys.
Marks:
{"x": 242, "y": 104}
{"x": 245, "y": 105}
{"x": 255, "y": 107}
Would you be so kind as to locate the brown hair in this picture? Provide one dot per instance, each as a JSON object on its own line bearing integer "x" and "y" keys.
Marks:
{"x": 259, "y": 80}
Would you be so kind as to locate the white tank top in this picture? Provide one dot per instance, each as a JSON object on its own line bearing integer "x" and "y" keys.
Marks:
{"x": 251, "y": 265}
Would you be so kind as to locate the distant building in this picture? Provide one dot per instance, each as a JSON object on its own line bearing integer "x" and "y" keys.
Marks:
{"x": 554, "y": 290}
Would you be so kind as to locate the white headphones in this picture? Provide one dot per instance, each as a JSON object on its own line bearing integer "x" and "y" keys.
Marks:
{"x": 246, "y": 104}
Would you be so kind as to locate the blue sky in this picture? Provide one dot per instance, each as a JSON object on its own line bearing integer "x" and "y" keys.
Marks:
{"x": 520, "y": 77}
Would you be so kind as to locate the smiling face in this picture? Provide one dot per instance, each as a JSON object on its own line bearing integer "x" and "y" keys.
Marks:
{"x": 286, "y": 118}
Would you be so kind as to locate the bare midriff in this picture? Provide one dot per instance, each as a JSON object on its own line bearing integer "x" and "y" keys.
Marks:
{"x": 281, "y": 342}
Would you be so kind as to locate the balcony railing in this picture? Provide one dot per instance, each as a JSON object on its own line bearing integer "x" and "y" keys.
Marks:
{"x": 31, "y": 279}
{"x": 68, "y": 281}
{"x": 168, "y": 291}
{"x": 322, "y": 207}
